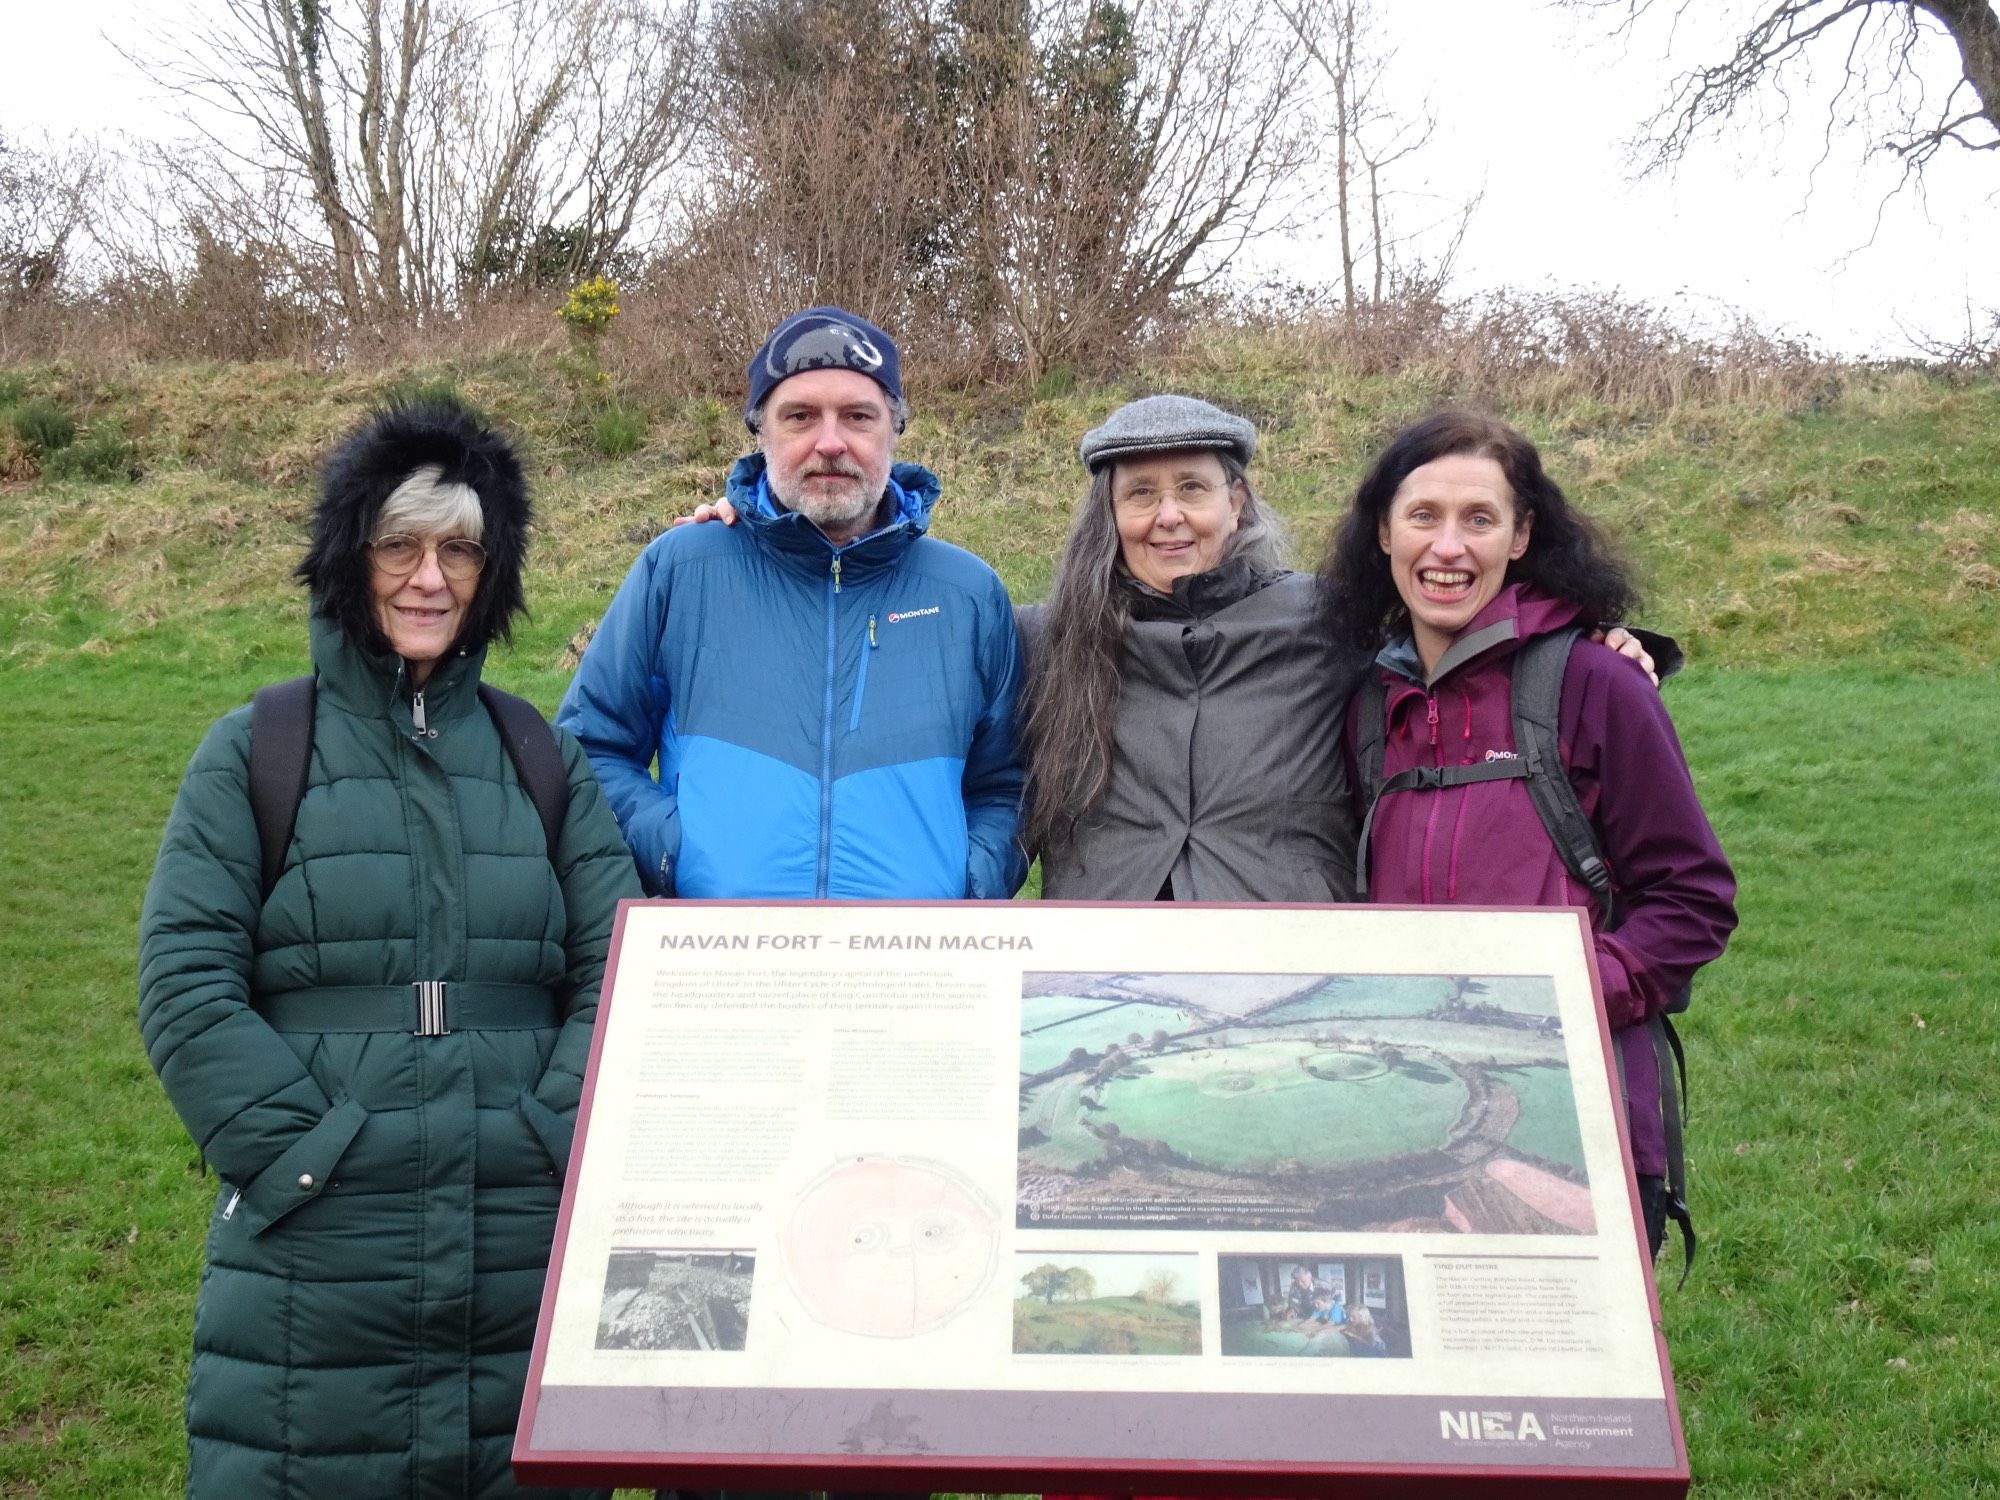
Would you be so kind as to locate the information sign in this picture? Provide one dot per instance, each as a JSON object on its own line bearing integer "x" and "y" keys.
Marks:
{"x": 1167, "y": 1199}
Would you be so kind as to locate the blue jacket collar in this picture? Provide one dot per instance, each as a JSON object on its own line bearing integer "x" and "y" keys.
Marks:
{"x": 912, "y": 492}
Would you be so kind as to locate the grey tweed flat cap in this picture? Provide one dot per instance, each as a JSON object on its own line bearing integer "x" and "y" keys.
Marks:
{"x": 1159, "y": 424}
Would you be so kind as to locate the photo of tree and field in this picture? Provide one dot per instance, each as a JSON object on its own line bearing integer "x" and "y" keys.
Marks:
{"x": 1111, "y": 1303}
{"x": 1397, "y": 1103}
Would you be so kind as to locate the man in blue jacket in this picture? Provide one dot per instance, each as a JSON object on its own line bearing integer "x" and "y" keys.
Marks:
{"x": 828, "y": 691}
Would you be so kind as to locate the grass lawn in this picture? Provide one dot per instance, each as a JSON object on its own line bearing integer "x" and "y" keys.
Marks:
{"x": 1839, "y": 1336}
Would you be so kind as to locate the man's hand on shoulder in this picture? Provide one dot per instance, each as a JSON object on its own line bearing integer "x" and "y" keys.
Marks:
{"x": 713, "y": 510}
{"x": 1621, "y": 640}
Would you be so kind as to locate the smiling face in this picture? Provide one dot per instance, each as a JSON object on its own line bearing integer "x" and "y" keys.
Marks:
{"x": 422, "y": 612}
{"x": 828, "y": 438}
{"x": 1450, "y": 532}
{"x": 1175, "y": 513}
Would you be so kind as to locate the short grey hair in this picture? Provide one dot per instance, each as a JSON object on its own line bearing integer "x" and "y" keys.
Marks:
{"x": 424, "y": 505}
{"x": 899, "y": 413}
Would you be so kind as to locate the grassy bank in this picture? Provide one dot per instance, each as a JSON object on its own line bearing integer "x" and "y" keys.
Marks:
{"x": 1857, "y": 524}
{"x": 1823, "y": 562}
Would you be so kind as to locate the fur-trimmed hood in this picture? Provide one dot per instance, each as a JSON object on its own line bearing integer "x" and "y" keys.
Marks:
{"x": 362, "y": 473}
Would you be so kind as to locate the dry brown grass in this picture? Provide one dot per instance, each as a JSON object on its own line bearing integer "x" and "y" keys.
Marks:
{"x": 693, "y": 315}
{"x": 1543, "y": 352}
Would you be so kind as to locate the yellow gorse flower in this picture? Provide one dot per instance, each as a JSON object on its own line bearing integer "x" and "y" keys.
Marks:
{"x": 590, "y": 307}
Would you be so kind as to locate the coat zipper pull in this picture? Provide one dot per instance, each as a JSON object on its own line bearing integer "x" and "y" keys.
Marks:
{"x": 417, "y": 712}
{"x": 229, "y": 1211}
{"x": 1431, "y": 717}
{"x": 836, "y": 572}
{"x": 872, "y": 642}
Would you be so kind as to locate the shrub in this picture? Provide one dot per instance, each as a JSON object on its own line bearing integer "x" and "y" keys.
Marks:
{"x": 590, "y": 308}
{"x": 16, "y": 462}
{"x": 105, "y": 456}
{"x": 43, "y": 426}
{"x": 620, "y": 430}
{"x": 1056, "y": 382}
{"x": 13, "y": 387}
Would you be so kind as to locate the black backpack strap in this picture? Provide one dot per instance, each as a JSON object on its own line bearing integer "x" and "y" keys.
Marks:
{"x": 281, "y": 730}
{"x": 1538, "y": 680}
{"x": 538, "y": 761}
{"x": 1370, "y": 735}
{"x": 1673, "y": 1100}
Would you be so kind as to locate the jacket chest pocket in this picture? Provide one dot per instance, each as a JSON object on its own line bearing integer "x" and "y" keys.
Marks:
{"x": 904, "y": 679}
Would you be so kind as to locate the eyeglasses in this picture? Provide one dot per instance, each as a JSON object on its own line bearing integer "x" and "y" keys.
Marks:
{"x": 399, "y": 554}
{"x": 1189, "y": 494}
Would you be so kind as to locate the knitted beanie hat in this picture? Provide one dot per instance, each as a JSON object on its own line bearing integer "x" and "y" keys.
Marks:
{"x": 823, "y": 338}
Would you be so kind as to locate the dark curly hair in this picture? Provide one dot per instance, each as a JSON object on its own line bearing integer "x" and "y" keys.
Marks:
{"x": 1567, "y": 557}
{"x": 362, "y": 473}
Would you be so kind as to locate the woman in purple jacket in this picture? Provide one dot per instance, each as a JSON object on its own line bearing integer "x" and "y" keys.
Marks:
{"x": 1459, "y": 548}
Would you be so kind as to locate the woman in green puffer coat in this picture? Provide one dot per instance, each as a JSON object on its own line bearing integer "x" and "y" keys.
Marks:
{"x": 389, "y": 1176}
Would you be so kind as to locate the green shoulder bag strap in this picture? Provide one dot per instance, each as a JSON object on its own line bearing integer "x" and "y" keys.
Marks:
{"x": 1537, "y": 713}
{"x": 281, "y": 730}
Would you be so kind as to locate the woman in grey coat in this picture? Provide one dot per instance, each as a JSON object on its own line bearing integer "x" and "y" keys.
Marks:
{"x": 1183, "y": 723}
{"x": 1183, "y": 712}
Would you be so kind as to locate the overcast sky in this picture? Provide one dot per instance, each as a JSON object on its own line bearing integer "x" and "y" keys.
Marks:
{"x": 1534, "y": 105}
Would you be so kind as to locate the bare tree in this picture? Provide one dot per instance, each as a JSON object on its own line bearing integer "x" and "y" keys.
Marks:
{"x": 1369, "y": 136}
{"x": 1121, "y": 155}
{"x": 1976, "y": 347}
{"x": 824, "y": 173}
{"x": 47, "y": 193}
{"x": 1897, "y": 82}
{"x": 1024, "y": 181}
{"x": 436, "y": 147}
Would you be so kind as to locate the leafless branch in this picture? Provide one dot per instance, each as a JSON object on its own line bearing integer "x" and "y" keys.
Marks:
{"x": 1889, "y": 69}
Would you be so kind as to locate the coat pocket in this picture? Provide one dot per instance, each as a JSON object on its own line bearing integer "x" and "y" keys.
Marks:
{"x": 551, "y": 1129}
{"x": 302, "y": 1172}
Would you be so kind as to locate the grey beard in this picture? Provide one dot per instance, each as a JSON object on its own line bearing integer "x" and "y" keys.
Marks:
{"x": 834, "y": 514}
{"x": 837, "y": 513}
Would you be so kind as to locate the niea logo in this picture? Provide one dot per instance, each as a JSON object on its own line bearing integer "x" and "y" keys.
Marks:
{"x": 896, "y": 616}
{"x": 1490, "y": 1427}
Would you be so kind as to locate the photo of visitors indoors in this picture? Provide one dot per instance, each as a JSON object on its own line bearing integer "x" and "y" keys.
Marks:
{"x": 1316, "y": 1306}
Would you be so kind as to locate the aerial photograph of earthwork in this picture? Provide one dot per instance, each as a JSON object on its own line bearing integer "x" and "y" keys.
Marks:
{"x": 1387, "y": 1103}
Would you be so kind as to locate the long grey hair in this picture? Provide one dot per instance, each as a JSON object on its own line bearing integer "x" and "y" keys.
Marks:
{"x": 1072, "y": 691}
